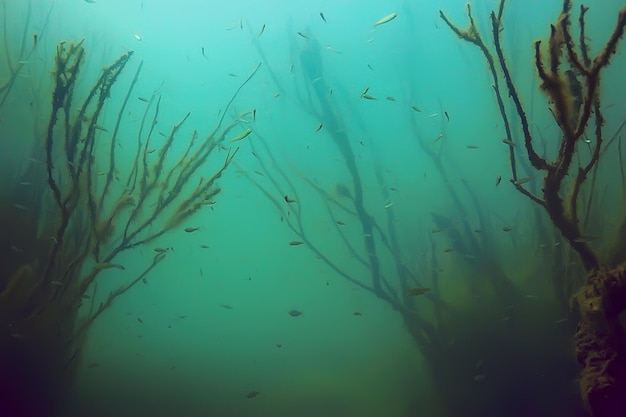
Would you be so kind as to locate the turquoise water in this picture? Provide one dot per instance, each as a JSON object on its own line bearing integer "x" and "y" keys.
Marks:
{"x": 379, "y": 148}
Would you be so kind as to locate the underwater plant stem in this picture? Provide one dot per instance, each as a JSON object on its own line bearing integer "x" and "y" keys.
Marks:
{"x": 114, "y": 294}
{"x": 534, "y": 158}
{"x": 111, "y": 168}
{"x": 61, "y": 98}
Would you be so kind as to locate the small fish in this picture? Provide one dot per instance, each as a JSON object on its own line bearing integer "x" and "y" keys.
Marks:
{"x": 389, "y": 204}
{"x": 289, "y": 200}
{"x": 391, "y": 98}
{"x": 278, "y": 345}
{"x": 584, "y": 239}
{"x": 322, "y": 16}
{"x": 137, "y": 37}
{"x": 227, "y": 306}
{"x": 203, "y": 54}
{"x": 436, "y": 230}
{"x": 106, "y": 265}
{"x": 303, "y": 35}
{"x": 448, "y": 250}
{"x": 417, "y": 291}
{"x": 507, "y": 228}
{"x": 368, "y": 97}
{"x": 472, "y": 147}
{"x": 447, "y": 115}
{"x": 242, "y": 135}
{"x": 520, "y": 181}
{"x": 295, "y": 313}
{"x": 331, "y": 49}
{"x": 261, "y": 31}
{"x": 252, "y": 394}
{"x": 57, "y": 283}
{"x": 386, "y": 19}
{"x": 277, "y": 94}
{"x": 365, "y": 90}
{"x": 145, "y": 281}
{"x": 296, "y": 243}
{"x": 321, "y": 125}
{"x": 357, "y": 313}
{"x": 160, "y": 250}
{"x": 340, "y": 223}
{"x": 498, "y": 180}
{"x": 139, "y": 320}
{"x": 145, "y": 100}
{"x": 98, "y": 127}
{"x": 438, "y": 138}
{"x": 90, "y": 1}
{"x": 20, "y": 207}
{"x": 416, "y": 109}
{"x": 191, "y": 229}
{"x": 508, "y": 142}
{"x": 370, "y": 67}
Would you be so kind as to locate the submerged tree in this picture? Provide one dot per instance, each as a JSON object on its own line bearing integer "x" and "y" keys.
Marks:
{"x": 570, "y": 78}
{"x": 86, "y": 208}
{"x": 479, "y": 355}
{"x": 374, "y": 257}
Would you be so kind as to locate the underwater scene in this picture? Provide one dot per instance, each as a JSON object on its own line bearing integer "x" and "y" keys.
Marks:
{"x": 280, "y": 208}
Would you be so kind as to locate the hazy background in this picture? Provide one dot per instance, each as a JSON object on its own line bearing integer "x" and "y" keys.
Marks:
{"x": 212, "y": 317}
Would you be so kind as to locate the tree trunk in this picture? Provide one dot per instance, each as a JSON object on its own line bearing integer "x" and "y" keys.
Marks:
{"x": 601, "y": 341}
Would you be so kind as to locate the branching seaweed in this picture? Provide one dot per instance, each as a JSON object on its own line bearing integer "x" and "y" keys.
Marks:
{"x": 571, "y": 80}
{"x": 102, "y": 207}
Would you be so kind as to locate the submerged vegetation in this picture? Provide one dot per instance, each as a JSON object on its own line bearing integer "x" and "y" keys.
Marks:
{"x": 571, "y": 79}
{"x": 99, "y": 193}
{"x": 81, "y": 204}
{"x": 477, "y": 351}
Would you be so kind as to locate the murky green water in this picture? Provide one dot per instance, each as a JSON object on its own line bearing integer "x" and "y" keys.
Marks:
{"x": 367, "y": 253}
